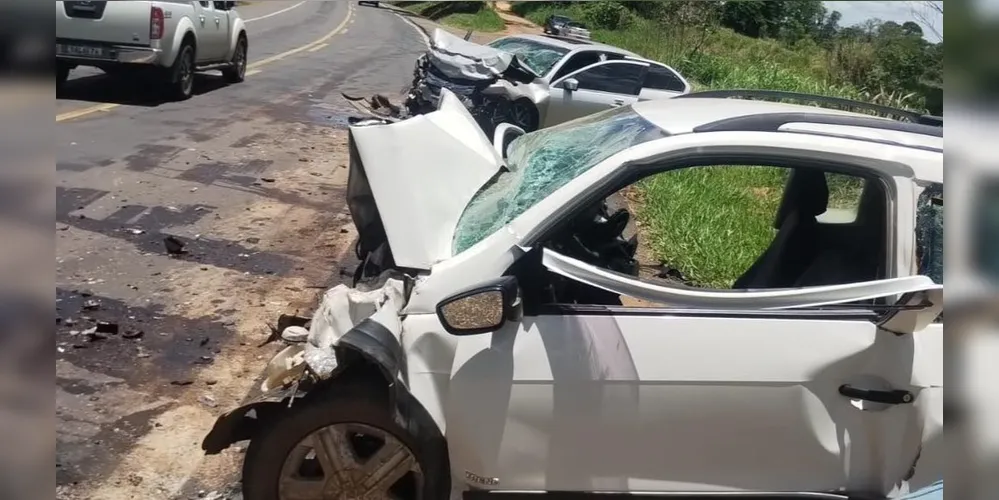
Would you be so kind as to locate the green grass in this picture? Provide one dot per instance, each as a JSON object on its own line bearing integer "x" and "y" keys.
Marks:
{"x": 463, "y": 15}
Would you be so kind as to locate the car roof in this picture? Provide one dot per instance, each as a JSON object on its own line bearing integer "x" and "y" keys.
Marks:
{"x": 701, "y": 114}
{"x": 575, "y": 44}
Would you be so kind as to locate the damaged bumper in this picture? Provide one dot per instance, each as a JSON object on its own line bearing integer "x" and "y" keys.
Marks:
{"x": 349, "y": 324}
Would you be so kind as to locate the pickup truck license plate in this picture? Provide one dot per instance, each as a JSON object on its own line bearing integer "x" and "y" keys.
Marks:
{"x": 65, "y": 49}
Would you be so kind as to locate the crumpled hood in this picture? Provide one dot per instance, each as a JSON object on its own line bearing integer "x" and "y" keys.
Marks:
{"x": 422, "y": 172}
{"x": 459, "y": 58}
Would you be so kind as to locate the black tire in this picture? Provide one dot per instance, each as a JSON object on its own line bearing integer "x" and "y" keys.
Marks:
{"x": 62, "y": 74}
{"x": 268, "y": 450}
{"x": 528, "y": 111}
{"x": 236, "y": 72}
{"x": 180, "y": 84}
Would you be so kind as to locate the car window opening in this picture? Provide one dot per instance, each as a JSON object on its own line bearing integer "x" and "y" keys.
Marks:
{"x": 728, "y": 228}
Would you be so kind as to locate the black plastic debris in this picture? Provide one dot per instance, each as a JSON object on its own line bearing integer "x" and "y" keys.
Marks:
{"x": 174, "y": 246}
{"x": 91, "y": 305}
{"x": 132, "y": 334}
{"x": 268, "y": 179}
{"x": 107, "y": 327}
{"x": 93, "y": 335}
{"x": 181, "y": 382}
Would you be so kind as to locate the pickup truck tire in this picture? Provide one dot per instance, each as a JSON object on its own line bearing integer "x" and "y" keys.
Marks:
{"x": 62, "y": 74}
{"x": 236, "y": 72}
{"x": 180, "y": 85}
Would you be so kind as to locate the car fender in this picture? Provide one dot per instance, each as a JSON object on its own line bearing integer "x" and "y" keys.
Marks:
{"x": 238, "y": 28}
{"x": 184, "y": 26}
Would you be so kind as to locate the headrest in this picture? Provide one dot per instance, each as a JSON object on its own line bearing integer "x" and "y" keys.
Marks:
{"x": 806, "y": 192}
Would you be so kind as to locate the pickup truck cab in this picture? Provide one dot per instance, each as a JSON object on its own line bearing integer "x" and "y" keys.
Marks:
{"x": 172, "y": 39}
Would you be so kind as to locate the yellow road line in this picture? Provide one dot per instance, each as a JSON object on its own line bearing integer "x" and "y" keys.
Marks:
{"x": 317, "y": 44}
{"x": 254, "y": 72}
{"x": 85, "y": 111}
{"x": 321, "y": 46}
{"x": 278, "y": 57}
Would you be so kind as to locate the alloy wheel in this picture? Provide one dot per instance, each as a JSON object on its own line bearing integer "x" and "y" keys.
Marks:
{"x": 350, "y": 461}
{"x": 522, "y": 116}
{"x": 240, "y": 58}
{"x": 186, "y": 72}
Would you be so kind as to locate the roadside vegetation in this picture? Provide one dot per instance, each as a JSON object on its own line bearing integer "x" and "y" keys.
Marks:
{"x": 709, "y": 224}
{"x": 476, "y": 16}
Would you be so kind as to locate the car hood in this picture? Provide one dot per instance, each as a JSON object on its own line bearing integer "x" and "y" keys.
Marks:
{"x": 411, "y": 180}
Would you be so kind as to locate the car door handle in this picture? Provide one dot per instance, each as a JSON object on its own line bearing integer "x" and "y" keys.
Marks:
{"x": 202, "y": 19}
{"x": 893, "y": 397}
{"x": 217, "y": 21}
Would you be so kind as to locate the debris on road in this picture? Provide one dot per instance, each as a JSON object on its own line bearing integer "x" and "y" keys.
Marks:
{"x": 132, "y": 334}
{"x": 136, "y": 231}
{"x": 181, "y": 382}
{"x": 93, "y": 335}
{"x": 208, "y": 401}
{"x": 91, "y": 305}
{"x": 174, "y": 246}
{"x": 107, "y": 327}
{"x": 268, "y": 179}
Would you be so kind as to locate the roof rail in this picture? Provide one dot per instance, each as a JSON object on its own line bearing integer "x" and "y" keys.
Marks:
{"x": 847, "y": 104}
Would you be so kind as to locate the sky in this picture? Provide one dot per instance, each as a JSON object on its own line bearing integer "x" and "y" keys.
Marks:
{"x": 857, "y": 12}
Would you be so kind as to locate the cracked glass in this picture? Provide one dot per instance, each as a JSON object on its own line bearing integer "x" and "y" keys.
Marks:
{"x": 540, "y": 57}
{"x": 929, "y": 232}
{"x": 541, "y": 162}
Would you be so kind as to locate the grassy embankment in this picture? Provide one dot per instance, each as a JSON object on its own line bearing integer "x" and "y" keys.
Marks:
{"x": 464, "y": 15}
{"x": 711, "y": 223}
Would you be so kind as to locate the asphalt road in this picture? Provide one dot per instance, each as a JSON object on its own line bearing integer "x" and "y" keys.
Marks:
{"x": 251, "y": 178}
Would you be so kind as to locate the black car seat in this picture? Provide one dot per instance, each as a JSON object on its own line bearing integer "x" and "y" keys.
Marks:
{"x": 796, "y": 244}
{"x": 857, "y": 255}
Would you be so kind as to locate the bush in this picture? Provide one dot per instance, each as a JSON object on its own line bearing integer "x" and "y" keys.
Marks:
{"x": 606, "y": 15}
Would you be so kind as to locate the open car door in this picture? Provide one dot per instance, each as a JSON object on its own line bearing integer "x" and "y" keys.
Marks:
{"x": 763, "y": 391}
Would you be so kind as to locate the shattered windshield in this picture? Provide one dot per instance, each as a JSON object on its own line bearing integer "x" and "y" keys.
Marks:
{"x": 541, "y": 162}
{"x": 540, "y": 57}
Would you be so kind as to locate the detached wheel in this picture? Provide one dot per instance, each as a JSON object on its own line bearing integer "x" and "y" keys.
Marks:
{"x": 236, "y": 72}
{"x": 181, "y": 82}
{"x": 341, "y": 448}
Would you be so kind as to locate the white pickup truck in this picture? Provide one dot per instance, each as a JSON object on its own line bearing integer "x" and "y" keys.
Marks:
{"x": 171, "y": 39}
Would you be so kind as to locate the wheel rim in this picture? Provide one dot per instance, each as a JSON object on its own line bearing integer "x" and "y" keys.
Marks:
{"x": 521, "y": 116}
{"x": 350, "y": 461}
{"x": 241, "y": 59}
{"x": 186, "y": 73}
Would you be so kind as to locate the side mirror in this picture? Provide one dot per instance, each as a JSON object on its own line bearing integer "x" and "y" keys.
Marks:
{"x": 505, "y": 134}
{"x": 570, "y": 84}
{"x": 482, "y": 309}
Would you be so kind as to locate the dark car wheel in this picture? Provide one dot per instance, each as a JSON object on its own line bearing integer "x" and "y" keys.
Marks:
{"x": 181, "y": 77}
{"x": 524, "y": 114}
{"x": 62, "y": 74}
{"x": 236, "y": 72}
{"x": 346, "y": 447}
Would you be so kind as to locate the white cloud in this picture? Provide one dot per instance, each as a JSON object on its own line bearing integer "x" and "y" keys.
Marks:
{"x": 857, "y": 12}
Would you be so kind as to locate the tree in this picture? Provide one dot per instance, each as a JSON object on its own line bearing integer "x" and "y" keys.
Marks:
{"x": 830, "y": 27}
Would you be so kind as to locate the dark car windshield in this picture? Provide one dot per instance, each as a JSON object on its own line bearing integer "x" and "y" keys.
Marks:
{"x": 540, "y": 57}
{"x": 541, "y": 162}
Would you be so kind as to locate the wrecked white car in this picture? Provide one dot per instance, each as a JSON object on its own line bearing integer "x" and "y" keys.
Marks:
{"x": 532, "y": 81}
{"x": 491, "y": 344}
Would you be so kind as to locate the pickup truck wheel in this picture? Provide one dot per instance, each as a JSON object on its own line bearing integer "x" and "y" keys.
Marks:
{"x": 181, "y": 83}
{"x": 236, "y": 72}
{"x": 346, "y": 447}
{"x": 62, "y": 74}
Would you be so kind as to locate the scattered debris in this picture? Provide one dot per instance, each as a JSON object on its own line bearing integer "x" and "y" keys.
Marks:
{"x": 182, "y": 382}
{"x": 195, "y": 188}
{"x": 208, "y": 401}
{"x": 62, "y": 227}
{"x": 174, "y": 246}
{"x": 211, "y": 382}
{"x": 204, "y": 341}
{"x": 252, "y": 241}
{"x": 91, "y": 305}
{"x": 267, "y": 179}
{"x": 106, "y": 327}
{"x": 68, "y": 321}
{"x": 93, "y": 335}
{"x": 132, "y": 334}
{"x": 346, "y": 272}
{"x": 303, "y": 160}
{"x": 136, "y": 231}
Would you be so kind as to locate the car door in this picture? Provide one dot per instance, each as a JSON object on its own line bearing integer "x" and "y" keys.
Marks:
{"x": 213, "y": 30}
{"x": 600, "y": 86}
{"x": 720, "y": 397}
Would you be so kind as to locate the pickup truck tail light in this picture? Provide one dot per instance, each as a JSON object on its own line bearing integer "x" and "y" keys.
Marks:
{"x": 155, "y": 23}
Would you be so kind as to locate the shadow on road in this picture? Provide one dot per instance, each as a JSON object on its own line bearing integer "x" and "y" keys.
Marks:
{"x": 153, "y": 221}
{"x": 129, "y": 89}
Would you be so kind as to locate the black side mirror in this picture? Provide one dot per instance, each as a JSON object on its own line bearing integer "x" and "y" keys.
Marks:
{"x": 481, "y": 309}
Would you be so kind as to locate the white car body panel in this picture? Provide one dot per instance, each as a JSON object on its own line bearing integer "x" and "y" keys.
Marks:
{"x": 410, "y": 168}
{"x": 459, "y": 58}
{"x": 659, "y": 403}
{"x": 565, "y": 105}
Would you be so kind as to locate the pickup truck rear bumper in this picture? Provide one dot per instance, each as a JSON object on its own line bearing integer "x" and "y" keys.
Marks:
{"x": 95, "y": 53}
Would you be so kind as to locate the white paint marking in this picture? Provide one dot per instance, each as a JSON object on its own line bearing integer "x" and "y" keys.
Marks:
{"x": 282, "y": 11}
{"x": 426, "y": 40}
{"x": 321, "y": 46}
